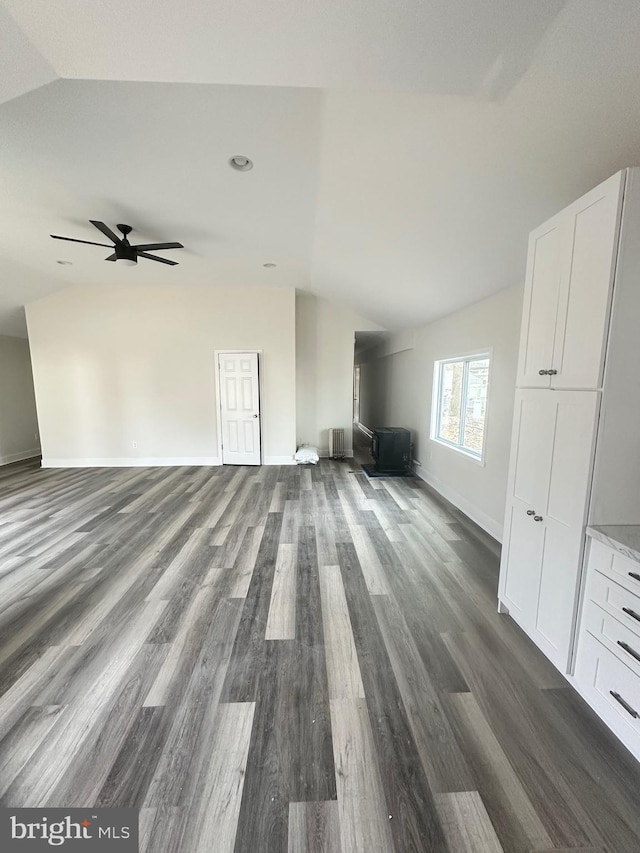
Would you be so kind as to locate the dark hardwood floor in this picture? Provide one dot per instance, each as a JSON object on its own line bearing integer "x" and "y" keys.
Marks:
{"x": 287, "y": 659}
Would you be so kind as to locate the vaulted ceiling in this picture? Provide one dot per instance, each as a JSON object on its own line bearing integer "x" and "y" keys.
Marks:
{"x": 402, "y": 151}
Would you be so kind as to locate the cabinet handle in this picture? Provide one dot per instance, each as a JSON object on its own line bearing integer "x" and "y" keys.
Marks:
{"x": 625, "y": 705}
{"x": 629, "y": 650}
{"x": 537, "y": 518}
{"x": 631, "y": 613}
{"x": 552, "y": 372}
{"x": 531, "y": 512}
{"x": 543, "y": 372}
{"x": 634, "y": 575}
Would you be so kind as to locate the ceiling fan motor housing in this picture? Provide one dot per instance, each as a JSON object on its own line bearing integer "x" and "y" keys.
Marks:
{"x": 125, "y": 252}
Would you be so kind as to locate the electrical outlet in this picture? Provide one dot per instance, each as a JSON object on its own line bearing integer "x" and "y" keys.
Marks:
{"x": 134, "y": 444}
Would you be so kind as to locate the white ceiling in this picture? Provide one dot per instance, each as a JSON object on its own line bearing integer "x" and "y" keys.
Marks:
{"x": 416, "y": 45}
{"x": 402, "y": 151}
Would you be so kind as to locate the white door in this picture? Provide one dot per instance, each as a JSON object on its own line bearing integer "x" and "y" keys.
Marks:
{"x": 546, "y": 507}
{"x": 239, "y": 408}
{"x": 589, "y": 259}
{"x": 540, "y": 309}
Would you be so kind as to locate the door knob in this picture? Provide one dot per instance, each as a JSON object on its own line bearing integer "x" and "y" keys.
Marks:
{"x": 543, "y": 372}
{"x": 255, "y": 416}
{"x": 531, "y": 512}
{"x": 552, "y": 372}
{"x": 537, "y": 518}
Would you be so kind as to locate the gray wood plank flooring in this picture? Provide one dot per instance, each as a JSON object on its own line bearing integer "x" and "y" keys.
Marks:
{"x": 285, "y": 660}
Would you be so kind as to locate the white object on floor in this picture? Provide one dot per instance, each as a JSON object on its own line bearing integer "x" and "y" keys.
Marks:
{"x": 306, "y": 453}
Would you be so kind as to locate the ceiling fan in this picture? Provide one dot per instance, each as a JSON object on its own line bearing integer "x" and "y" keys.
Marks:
{"x": 124, "y": 251}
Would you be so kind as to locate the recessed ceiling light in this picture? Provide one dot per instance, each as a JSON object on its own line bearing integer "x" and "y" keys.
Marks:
{"x": 269, "y": 266}
{"x": 241, "y": 163}
{"x": 65, "y": 263}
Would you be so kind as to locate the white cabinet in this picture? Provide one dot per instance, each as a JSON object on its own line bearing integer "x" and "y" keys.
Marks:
{"x": 550, "y": 474}
{"x": 575, "y": 294}
{"x": 570, "y": 270}
{"x": 575, "y": 454}
{"x": 608, "y": 657}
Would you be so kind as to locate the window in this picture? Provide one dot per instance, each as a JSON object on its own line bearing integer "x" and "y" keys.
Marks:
{"x": 460, "y": 403}
{"x": 356, "y": 394}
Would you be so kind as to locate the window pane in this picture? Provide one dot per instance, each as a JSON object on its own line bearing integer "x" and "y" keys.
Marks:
{"x": 450, "y": 401}
{"x": 476, "y": 405}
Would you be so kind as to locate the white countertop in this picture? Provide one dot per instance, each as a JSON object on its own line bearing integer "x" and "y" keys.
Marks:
{"x": 625, "y": 538}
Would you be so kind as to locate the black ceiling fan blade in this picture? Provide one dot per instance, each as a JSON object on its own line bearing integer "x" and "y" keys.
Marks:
{"x": 105, "y": 230}
{"x": 147, "y": 247}
{"x": 113, "y": 257}
{"x": 73, "y": 240}
{"x": 156, "y": 258}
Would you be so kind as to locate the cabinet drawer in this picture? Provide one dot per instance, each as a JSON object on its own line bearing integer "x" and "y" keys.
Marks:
{"x": 616, "y": 566}
{"x": 624, "y": 643}
{"x": 611, "y": 689}
{"x": 615, "y": 599}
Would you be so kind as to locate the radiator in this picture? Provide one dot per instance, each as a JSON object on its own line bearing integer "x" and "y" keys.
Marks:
{"x": 336, "y": 443}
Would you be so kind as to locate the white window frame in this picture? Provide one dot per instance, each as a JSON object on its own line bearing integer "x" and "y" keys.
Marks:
{"x": 436, "y": 402}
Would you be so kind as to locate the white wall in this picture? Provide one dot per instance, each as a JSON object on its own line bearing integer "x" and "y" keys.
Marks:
{"x": 398, "y": 387}
{"x": 325, "y": 338}
{"x": 18, "y": 421}
{"x": 113, "y": 365}
{"x": 425, "y": 200}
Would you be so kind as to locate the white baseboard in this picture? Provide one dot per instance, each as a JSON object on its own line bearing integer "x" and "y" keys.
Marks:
{"x": 18, "y": 457}
{"x": 324, "y": 453}
{"x": 490, "y": 525}
{"x": 279, "y": 460}
{"x": 131, "y": 462}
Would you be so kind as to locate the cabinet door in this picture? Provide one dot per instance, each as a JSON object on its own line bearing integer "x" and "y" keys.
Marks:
{"x": 573, "y": 418}
{"x": 586, "y": 283}
{"x": 529, "y": 476}
{"x": 521, "y": 561}
{"x": 540, "y": 309}
{"x": 549, "y": 483}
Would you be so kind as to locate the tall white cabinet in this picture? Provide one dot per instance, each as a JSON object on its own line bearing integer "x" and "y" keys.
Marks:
{"x": 546, "y": 513}
{"x": 583, "y": 267}
{"x": 570, "y": 272}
